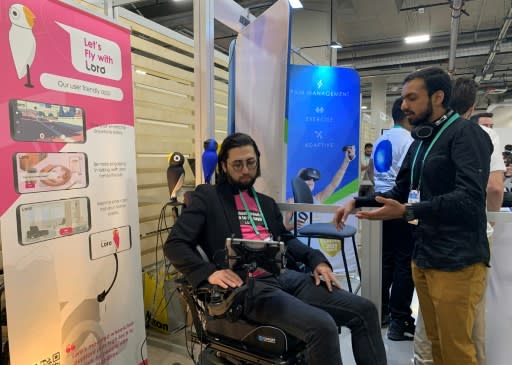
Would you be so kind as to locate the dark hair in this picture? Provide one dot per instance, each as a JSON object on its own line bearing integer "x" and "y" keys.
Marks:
{"x": 508, "y": 147}
{"x": 476, "y": 117}
{"x": 233, "y": 141}
{"x": 463, "y": 95}
{"x": 435, "y": 80}
{"x": 508, "y": 161}
{"x": 368, "y": 145}
{"x": 396, "y": 112}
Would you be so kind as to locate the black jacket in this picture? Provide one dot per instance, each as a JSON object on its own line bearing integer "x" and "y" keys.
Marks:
{"x": 452, "y": 213}
{"x": 210, "y": 218}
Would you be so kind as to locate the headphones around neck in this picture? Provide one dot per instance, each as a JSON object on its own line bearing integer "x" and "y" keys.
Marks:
{"x": 427, "y": 129}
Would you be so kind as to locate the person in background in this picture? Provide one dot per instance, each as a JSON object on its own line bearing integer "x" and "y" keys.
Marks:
{"x": 463, "y": 102}
{"x": 397, "y": 243}
{"x": 440, "y": 189}
{"x": 366, "y": 171}
{"x": 484, "y": 119}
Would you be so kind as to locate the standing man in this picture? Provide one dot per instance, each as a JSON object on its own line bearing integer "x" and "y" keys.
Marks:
{"x": 463, "y": 102}
{"x": 441, "y": 189}
{"x": 302, "y": 305}
{"x": 389, "y": 153}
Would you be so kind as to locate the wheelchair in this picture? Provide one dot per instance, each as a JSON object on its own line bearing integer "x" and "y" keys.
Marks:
{"x": 226, "y": 337}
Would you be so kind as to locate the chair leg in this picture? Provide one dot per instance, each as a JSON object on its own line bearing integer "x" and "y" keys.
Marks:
{"x": 346, "y": 265}
{"x": 357, "y": 256}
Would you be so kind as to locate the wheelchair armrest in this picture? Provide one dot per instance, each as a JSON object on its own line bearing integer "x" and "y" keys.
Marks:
{"x": 217, "y": 300}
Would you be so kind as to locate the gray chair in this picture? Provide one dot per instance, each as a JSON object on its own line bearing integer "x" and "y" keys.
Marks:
{"x": 302, "y": 194}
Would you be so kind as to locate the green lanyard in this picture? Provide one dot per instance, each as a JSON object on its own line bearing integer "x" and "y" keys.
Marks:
{"x": 249, "y": 214}
{"x": 446, "y": 125}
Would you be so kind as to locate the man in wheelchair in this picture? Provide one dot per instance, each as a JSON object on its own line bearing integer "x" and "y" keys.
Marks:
{"x": 308, "y": 307}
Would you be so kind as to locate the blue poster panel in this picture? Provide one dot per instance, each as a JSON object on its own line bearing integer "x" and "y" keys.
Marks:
{"x": 323, "y": 130}
{"x": 322, "y": 141}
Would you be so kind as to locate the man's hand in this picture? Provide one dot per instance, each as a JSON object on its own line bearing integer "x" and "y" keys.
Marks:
{"x": 341, "y": 215}
{"x": 392, "y": 209}
{"x": 225, "y": 279}
{"x": 324, "y": 270}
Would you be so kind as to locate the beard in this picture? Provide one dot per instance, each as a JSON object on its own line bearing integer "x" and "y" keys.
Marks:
{"x": 418, "y": 119}
{"x": 242, "y": 186}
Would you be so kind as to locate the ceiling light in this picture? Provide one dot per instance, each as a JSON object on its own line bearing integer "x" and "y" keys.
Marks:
{"x": 422, "y": 38}
{"x": 336, "y": 45}
{"x": 295, "y": 4}
{"x": 141, "y": 72}
{"x": 364, "y": 107}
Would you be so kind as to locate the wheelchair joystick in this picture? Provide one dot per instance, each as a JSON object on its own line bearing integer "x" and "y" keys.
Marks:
{"x": 219, "y": 305}
{"x": 215, "y": 297}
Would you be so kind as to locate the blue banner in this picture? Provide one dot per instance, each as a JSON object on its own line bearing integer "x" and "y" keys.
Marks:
{"x": 323, "y": 130}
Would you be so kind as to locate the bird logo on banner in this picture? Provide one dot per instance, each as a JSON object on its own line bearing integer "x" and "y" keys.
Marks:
{"x": 22, "y": 40}
{"x": 209, "y": 159}
{"x": 175, "y": 174}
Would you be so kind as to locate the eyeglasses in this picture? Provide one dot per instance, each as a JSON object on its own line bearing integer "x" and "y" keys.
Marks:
{"x": 239, "y": 165}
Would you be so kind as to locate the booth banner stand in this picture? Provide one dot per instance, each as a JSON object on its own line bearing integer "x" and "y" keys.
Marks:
{"x": 262, "y": 53}
{"x": 323, "y": 138}
{"x": 69, "y": 211}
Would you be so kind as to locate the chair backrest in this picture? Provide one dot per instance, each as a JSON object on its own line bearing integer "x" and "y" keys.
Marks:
{"x": 301, "y": 191}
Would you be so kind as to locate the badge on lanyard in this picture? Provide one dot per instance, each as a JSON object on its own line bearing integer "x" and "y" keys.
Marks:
{"x": 414, "y": 197}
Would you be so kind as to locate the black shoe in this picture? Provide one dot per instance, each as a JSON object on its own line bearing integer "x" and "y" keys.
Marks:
{"x": 410, "y": 327}
{"x": 397, "y": 331}
{"x": 385, "y": 321}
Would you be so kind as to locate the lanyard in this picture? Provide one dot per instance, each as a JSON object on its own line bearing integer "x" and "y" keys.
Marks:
{"x": 446, "y": 125}
{"x": 249, "y": 214}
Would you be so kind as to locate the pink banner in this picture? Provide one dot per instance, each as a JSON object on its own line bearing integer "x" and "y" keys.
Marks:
{"x": 69, "y": 211}
{"x": 69, "y": 68}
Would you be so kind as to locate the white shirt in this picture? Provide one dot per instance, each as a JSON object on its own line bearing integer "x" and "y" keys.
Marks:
{"x": 400, "y": 139}
{"x": 497, "y": 163}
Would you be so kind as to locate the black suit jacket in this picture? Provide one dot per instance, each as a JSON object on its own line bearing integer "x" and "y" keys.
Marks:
{"x": 210, "y": 218}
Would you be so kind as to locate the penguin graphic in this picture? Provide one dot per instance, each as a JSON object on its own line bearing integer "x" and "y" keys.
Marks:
{"x": 209, "y": 159}
{"x": 22, "y": 40}
{"x": 175, "y": 174}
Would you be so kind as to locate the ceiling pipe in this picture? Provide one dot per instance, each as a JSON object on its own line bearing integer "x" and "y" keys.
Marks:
{"x": 456, "y": 14}
{"x": 497, "y": 43}
{"x": 417, "y": 57}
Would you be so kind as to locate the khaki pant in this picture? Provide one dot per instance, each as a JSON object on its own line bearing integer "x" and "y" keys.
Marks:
{"x": 423, "y": 347}
{"x": 448, "y": 301}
